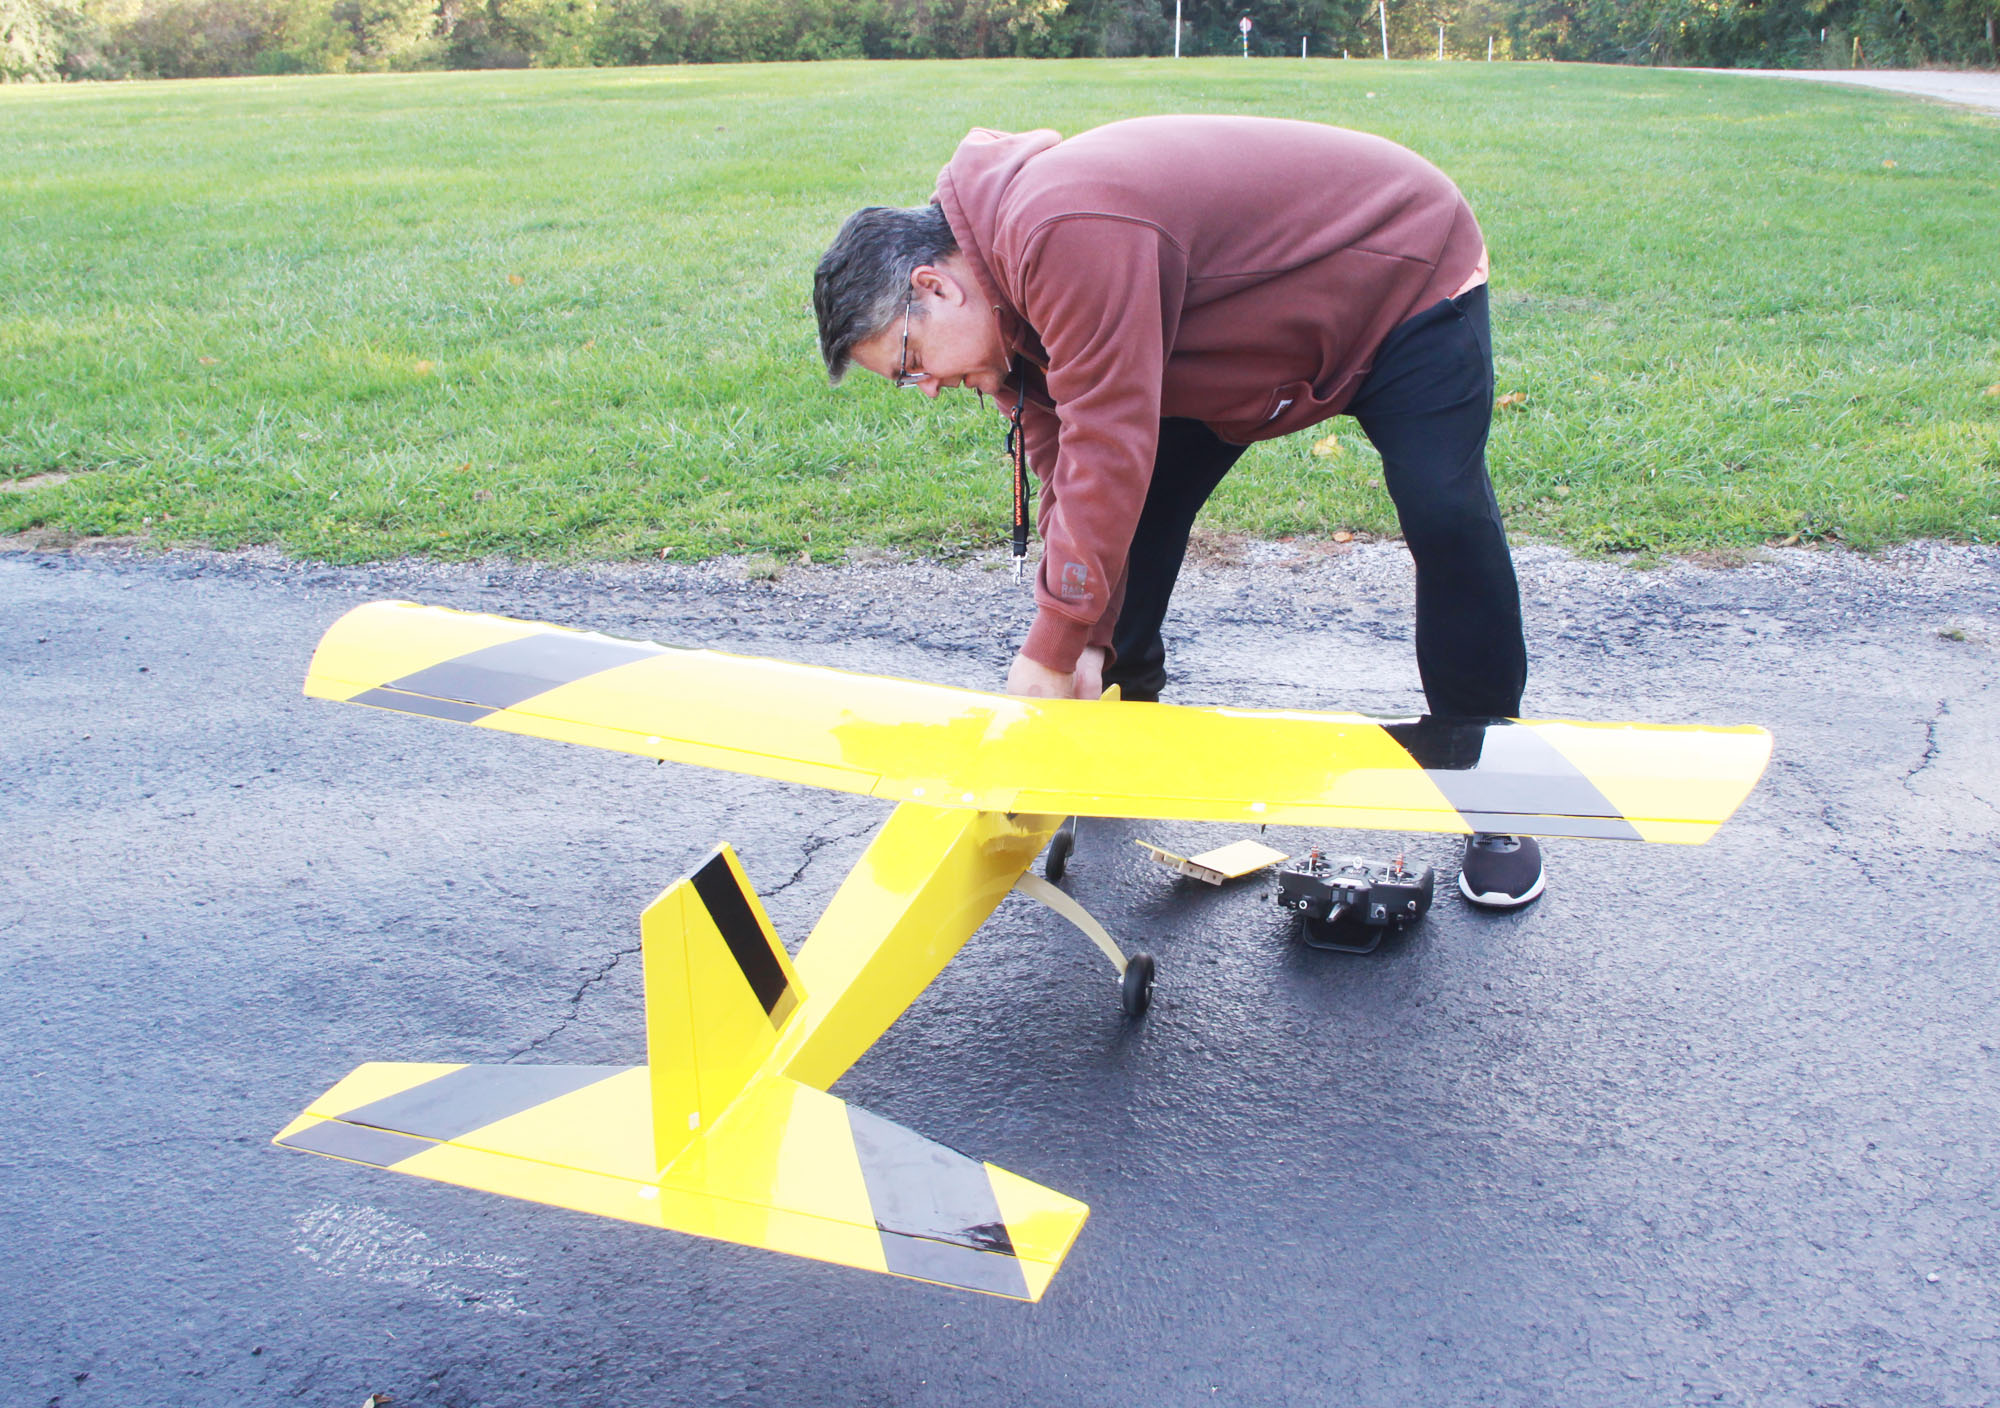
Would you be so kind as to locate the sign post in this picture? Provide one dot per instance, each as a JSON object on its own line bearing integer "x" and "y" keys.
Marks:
{"x": 1243, "y": 25}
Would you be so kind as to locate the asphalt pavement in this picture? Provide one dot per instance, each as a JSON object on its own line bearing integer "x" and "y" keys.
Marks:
{"x": 1712, "y": 1125}
{"x": 1964, "y": 87}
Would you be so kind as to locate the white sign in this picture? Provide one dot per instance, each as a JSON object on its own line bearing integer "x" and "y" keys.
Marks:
{"x": 1244, "y": 24}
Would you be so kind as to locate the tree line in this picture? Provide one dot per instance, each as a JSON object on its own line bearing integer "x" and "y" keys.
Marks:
{"x": 53, "y": 40}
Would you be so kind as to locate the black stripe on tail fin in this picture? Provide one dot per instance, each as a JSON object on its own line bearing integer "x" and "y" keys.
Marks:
{"x": 727, "y": 904}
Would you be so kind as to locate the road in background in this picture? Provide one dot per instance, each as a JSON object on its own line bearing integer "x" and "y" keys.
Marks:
{"x": 1703, "y": 1125}
{"x": 1972, "y": 90}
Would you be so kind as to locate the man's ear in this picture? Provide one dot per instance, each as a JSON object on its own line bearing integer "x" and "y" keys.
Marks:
{"x": 935, "y": 281}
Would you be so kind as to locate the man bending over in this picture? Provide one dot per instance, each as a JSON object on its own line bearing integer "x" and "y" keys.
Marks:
{"x": 1147, "y": 299}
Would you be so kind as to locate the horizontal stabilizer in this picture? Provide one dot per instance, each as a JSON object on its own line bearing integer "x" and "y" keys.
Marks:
{"x": 947, "y": 747}
{"x": 786, "y": 1168}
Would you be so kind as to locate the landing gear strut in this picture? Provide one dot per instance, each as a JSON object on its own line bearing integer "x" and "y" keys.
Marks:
{"x": 1135, "y": 972}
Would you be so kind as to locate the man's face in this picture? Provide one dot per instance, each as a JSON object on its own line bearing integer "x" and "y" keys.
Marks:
{"x": 953, "y": 338}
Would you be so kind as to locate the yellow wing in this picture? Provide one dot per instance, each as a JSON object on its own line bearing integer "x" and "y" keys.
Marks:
{"x": 946, "y": 747}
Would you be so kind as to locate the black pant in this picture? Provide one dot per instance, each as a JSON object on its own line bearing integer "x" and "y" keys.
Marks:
{"x": 1426, "y": 405}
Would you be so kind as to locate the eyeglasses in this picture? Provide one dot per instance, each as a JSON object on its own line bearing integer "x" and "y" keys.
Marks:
{"x": 904, "y": 377}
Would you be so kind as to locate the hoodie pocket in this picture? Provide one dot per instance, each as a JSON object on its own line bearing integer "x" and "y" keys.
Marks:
{"x": 1283, "y": 399}
{"x": 1282, "y": 410}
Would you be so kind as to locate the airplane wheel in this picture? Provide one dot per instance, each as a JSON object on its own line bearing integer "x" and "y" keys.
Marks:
{"x": 1060, "y": 845}
{"x": 1135, "y": 989}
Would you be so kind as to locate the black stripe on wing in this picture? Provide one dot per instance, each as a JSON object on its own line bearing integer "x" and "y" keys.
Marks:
{"x": 471, "y": 686}
{"x": 1503, "y": 776}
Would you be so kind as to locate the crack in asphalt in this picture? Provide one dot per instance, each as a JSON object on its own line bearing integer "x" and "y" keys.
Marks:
{"x": 1840, "y": 848}
{"x": 814, "y": 846}
{"x": 1931, "y": 748}
{"x": 575, "y": 1003}
{"x": 1829, "y": 818}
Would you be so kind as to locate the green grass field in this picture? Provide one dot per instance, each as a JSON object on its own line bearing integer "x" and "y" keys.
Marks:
{"x": 565, "y": 315}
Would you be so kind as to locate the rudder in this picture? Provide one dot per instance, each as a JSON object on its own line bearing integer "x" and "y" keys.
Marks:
{"x": 719, "y": 990}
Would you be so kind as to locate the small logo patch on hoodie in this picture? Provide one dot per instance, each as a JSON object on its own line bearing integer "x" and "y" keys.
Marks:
{"x": 1075, "y": 581}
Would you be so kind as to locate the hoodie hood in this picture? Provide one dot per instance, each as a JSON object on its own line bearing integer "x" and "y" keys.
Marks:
{"x": 971, "y": 190}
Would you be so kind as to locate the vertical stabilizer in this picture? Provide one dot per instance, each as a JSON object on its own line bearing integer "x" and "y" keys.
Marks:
{"x": 719, "y": 990}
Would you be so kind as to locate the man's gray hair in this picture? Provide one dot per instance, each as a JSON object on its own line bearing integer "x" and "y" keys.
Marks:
{"x": 863, "y": 279}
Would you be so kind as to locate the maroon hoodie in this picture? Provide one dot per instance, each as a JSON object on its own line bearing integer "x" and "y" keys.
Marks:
{"x": 1235, "y": 270}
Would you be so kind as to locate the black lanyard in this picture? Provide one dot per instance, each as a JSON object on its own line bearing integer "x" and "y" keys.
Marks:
{"x": 1017, "y": 449}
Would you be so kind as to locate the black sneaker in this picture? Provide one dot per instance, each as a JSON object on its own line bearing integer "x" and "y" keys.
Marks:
{"x": 1500, "y": 872}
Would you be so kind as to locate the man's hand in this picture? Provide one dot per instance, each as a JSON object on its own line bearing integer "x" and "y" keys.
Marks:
{"x": 1037, "y": 681}
{"x": 1090, "y": 672}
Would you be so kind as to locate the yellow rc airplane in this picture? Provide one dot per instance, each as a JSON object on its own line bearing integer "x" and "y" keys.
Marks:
{"x": 728, "y": 1131}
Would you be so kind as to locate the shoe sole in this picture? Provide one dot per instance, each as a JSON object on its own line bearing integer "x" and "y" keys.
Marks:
{"x": 1496, "y": 899}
